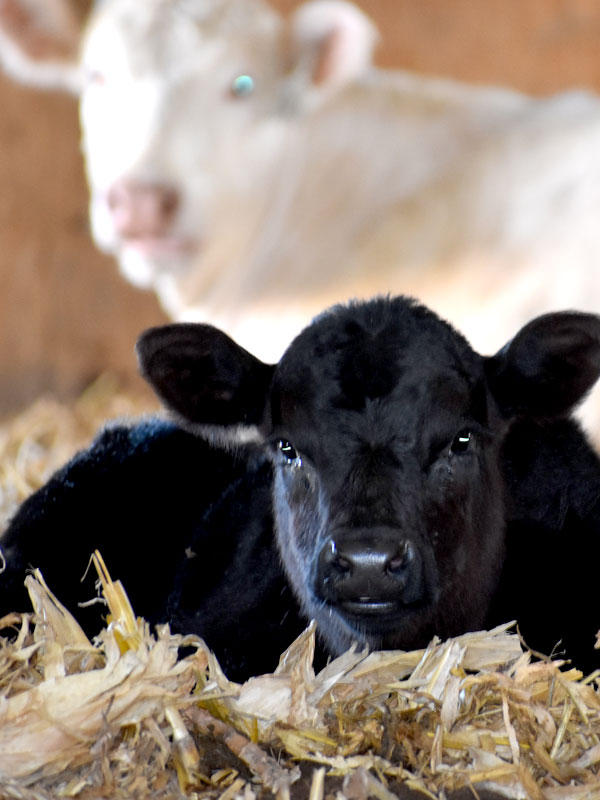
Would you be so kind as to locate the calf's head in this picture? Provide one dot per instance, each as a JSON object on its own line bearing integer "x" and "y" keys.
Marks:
{"x": 384, "y": 429}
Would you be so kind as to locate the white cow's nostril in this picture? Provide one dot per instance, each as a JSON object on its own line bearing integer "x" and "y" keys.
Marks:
{"x": 142, "y": 210}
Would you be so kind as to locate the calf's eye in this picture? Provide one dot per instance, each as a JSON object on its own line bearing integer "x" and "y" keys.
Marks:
{"x": 461, "y": 443}
{"x": 288, "y": 450}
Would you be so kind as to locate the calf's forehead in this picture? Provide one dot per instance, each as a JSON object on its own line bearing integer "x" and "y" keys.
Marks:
{"x": 396, "y": 356}
{"x": 172, "y": 35}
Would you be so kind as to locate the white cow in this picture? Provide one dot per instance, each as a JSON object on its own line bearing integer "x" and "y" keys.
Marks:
{"x": 252, "y": 169}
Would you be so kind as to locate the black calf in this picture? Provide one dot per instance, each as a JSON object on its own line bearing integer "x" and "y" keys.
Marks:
{"x": 407, "y": 485}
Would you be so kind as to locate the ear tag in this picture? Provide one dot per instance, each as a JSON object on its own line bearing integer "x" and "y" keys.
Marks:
{"x": 243, "y": 86}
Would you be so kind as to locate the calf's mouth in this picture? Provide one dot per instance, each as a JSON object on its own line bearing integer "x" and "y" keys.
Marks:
{"x": 368, "y": 606}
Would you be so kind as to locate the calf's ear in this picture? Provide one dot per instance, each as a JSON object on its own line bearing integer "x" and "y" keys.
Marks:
{"x": 331, "y": 41}
{"x": 549, "y": 366}
{"x": 203, "y": 375}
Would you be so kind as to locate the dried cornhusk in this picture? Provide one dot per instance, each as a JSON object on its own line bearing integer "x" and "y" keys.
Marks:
{"x": 122, "y": 716}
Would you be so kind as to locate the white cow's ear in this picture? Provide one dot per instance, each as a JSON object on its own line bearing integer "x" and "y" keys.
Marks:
{"x": 39, "y": 43}
{"x": 331, "y": 42}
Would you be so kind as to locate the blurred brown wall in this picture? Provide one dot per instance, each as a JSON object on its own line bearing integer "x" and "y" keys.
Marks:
{"x": 534, "y": 45}
{"x": 65, "y": 315}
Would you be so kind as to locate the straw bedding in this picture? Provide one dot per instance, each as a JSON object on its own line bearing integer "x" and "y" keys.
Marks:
{"x": 126, "y": 716}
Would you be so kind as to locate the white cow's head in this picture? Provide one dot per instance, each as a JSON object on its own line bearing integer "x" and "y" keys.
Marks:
{"x": 183, "y": 104}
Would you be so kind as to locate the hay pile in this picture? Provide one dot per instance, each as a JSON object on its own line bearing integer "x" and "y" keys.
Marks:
{"x": 123, "y": 717}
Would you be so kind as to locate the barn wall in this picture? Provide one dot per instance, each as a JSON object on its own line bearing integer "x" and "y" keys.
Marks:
{"x": 65, "y": 315}
{"x": 538, "y": 46}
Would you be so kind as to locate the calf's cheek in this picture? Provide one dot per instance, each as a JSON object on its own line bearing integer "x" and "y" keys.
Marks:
{"x": 299, "y": 521}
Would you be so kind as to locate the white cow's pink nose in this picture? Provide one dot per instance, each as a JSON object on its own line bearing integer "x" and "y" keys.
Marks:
{"x": 142, "y": 210}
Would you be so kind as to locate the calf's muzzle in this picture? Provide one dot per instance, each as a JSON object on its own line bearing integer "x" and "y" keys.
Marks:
{"x": 371, "y": 571}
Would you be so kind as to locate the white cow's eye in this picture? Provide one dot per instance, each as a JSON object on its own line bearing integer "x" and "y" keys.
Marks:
{"x": 94, "y": 77}
{"x": 242, "y": 86}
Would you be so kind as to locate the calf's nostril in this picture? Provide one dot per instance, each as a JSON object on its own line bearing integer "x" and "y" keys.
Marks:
{"x": 336, "y": 560}
{"x": 401, "y": 558}
{"x": 343, "y": 564}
